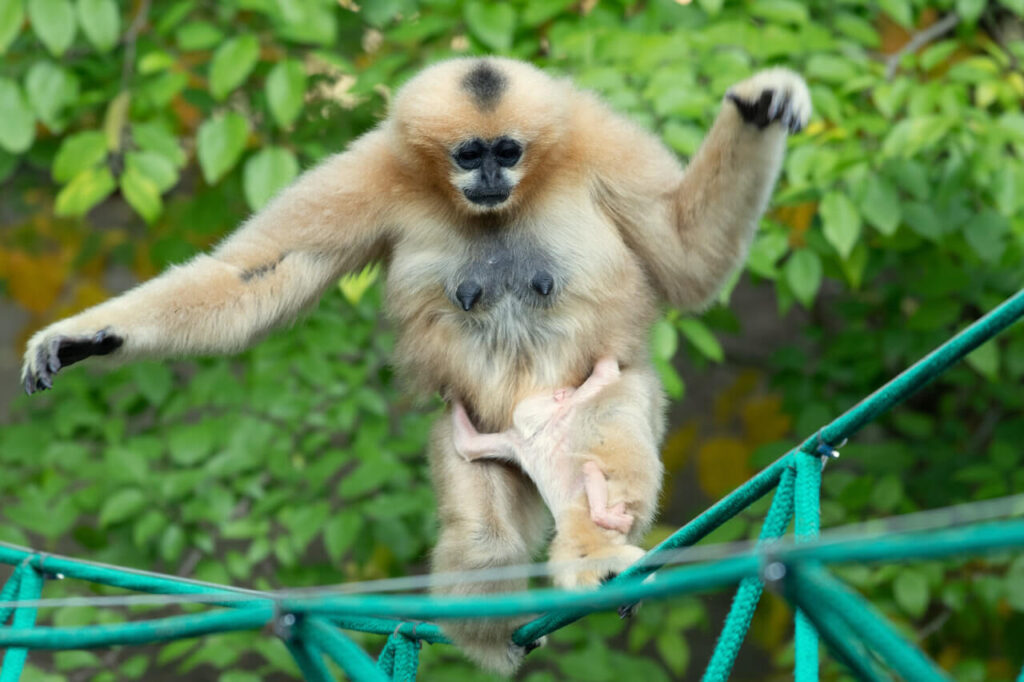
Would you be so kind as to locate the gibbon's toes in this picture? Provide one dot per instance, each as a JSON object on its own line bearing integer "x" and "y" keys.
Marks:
{"x": 535, "y": 644}
{"x": 59, "y": 351}
{"x": 773, "y": 95}
{"x": 628, "y": 610}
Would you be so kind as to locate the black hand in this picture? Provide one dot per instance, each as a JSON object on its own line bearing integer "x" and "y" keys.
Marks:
{"x": 61, "y": 351}
{"x": 767, "y": 109}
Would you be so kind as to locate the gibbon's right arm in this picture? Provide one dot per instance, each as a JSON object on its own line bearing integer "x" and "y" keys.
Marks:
{"x": 329, "y": 221}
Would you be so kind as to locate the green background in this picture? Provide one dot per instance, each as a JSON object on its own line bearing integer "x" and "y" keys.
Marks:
{"x": 134, "y": 134}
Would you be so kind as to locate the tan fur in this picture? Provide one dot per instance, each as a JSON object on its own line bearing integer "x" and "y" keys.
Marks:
{"x": 601, "y": 199}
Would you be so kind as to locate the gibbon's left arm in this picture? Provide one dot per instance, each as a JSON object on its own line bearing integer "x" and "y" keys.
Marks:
{"x": 692, "y": 228}
{"x": 329, "y": 221}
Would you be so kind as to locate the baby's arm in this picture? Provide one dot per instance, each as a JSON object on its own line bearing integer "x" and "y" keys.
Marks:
{"x": 606, "y": 371}
{"x": 596, "y": 486}
{"x": 473, "y": 445}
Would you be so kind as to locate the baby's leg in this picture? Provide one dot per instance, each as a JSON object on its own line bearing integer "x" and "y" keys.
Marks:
{"x": 596, "y": 486}
{"x": 472, "y": 445}
{"x": 620, "y": 430}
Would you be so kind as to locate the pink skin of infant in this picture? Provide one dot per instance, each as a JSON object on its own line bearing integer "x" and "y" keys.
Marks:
{"x": 540, "y": 439}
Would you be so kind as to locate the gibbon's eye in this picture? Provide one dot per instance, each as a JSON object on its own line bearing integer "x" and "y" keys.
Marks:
{"x": 470, "y": 156}
{"x": 507, "y": 152}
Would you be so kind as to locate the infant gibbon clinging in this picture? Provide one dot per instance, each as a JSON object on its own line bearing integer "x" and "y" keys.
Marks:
{"x": 527, "y": 230}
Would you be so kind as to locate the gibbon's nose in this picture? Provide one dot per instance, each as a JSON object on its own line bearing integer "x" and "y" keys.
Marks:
{"x": 542, "y": 283}
{"x": 469, "y": 293}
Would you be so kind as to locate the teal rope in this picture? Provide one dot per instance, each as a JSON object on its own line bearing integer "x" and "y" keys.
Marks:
{"x": 310, "y": 661}
{"x": 865, "y": 622}
{"x": 807, "y": 528}
{"x": 400, "y": 658}
{"x": 841, "y": 642}
{"x": 749, "y": 592}
{"x": 357, "y": 665}
{"x": 30, "y": 586}
{"x": 10, "y": 589}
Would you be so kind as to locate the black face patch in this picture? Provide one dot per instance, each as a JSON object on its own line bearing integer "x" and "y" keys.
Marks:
{"x": 485, "y": 84}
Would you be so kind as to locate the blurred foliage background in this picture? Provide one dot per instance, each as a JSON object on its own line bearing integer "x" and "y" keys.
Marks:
{"x": 134, "y": 134}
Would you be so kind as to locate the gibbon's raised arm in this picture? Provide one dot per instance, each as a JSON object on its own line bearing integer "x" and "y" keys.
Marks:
{"x": 693, "y": 227}
{"x": 329, "y": 221}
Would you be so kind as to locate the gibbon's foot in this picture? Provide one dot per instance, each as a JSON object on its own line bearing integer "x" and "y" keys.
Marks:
{"x": 602, "y": 565}
{"x": 770, "y": 96}
{"x": 613, "y": 518}
{"x": 60, "y": 351}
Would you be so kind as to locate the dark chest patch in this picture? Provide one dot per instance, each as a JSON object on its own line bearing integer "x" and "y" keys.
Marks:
{"x": 499, "y": 267}
{"x": 485, "y": 84}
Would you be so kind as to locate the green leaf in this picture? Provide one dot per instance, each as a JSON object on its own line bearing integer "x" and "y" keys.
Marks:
{"x": 198, "y": 35}
{"x": 339, "y": 534}
{"x": 100, "y": 22}
{"x": 85, "y": 190}
{"x": 986, "y": 233}
{"x": 923, "y": 220}
{"x": 899, "y": 10}
{"x": 538, "y": 12}
{"x": 153, "y": 166}
{"x": 493, "y": 24}
{"x": 12, "y": 16}
{"x": 702, "y": 338}
{"x": 54, "y": 22}
{"x": 19, "y": 124}
{"x": 157, "y": 138}
{"x": 910, "y": 589}
{"x": 121, "y": 505}
{"x": 172, "y": 543}
{"x": 970, "y": 10}
{"x": 1015, "y": 584}
{"x": 355, "y": 284}
{"x": 664, "y": 340}
{"x": 232, "y": 63}
{"x": 674, "y": 651}
{"x": 286, "y": 88}
{"x": 142, "y": 194}
{"x": 1016, "y": 6}
{"x": 803, "y": 274}
{"x": 266, "y": 173}
{"x": 881, "y": 205}
{"x": 783, "y": 11}
{"x": 50, "y": 89}
{"x": 78, "y": 152}
{"x": 711, "y": 7}
{"x": 191, "y": 443}
{"x": 220, "y": 144}
{"x": 985, "y": 359}
{"x": 767, "y": 249}
{"x": 841, "y": 222}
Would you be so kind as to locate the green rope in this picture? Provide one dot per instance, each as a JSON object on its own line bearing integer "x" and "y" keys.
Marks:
{"x": 849, "y": 626}
{"x": 749, "y": 592}
{"x": 8, "y": 593}
{"x": 30, "y": 586}
{"x": 807, "y": 528}
{"x": 824, "y": 592}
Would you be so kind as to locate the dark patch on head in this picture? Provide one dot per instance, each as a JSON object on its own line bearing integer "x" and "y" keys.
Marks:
{"x": 260, "y": 270}
{"x": 486, "y": 85}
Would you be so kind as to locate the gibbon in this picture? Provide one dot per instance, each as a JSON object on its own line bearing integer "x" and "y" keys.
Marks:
{"x": 527, "y": 231}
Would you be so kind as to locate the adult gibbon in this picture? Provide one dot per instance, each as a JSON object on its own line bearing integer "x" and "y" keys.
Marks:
{"x": 527, "y": 230}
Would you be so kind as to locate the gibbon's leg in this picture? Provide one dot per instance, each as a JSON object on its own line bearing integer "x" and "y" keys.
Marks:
{"x": 329, "y": 221}
{"x": 692, "y": 228}
{"x": 490, "y": 516}
{"x": 620, "y": 432}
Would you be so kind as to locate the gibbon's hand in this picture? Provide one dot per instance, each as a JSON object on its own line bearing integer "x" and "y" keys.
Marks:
{"x": 47, "y": 355}
{"x": 770, "y": 96}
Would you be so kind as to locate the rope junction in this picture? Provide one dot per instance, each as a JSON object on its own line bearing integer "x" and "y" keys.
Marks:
{"x": 312, "y": 626}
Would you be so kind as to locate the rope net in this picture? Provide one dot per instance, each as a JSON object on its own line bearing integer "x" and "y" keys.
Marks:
{"x": 313, "y": 626}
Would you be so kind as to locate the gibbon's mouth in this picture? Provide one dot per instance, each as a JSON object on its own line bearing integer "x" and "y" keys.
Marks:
{"x": 488, "y": 197}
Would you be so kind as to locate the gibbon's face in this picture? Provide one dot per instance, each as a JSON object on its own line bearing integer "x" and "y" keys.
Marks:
{"x": 480, "y": 129}
{"x": 485, "y": 170}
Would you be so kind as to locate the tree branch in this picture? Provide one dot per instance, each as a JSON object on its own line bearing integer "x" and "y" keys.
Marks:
{"x": 919, "y": 40}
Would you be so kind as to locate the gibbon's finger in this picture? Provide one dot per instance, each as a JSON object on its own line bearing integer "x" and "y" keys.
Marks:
{"x": 72, "y": 350}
